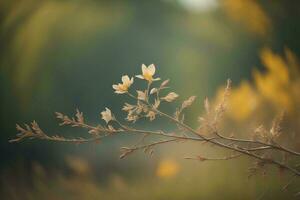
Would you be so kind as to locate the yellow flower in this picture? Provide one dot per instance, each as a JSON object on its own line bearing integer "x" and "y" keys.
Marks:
{"x": 148, "y": 73}
{"x": 106, "y": 115}
{"x": 123, "y": 87}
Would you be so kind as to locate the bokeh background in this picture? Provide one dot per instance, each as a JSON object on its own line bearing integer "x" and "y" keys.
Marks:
{"x": 59, "y": 55}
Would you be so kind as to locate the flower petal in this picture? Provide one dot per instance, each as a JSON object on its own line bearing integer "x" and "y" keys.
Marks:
{"x": 120, "y": 92}
{"x": 144, "y": 68}
{"x": 106, "y": 115}
{"x": 116, "y": 87}
{"x": 139, "y": 76}
{"x": 131, "y": 81}
{"x": 151, "y": 69}
{"x": 108, "y": 110}
{"x": 125, "y": 79}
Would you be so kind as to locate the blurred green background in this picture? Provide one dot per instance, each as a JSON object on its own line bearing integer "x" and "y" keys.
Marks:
{"x": 59, "y": 55}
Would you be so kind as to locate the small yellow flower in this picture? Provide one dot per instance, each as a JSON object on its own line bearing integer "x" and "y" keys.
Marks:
{"x": 106, "y": 115}
{"x": 123, "y": 87}
{"x": 148, "y": 73}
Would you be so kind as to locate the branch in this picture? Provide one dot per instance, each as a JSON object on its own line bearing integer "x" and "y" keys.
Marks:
{"x": 200, "y": 158}
{"x": 263, "y": 147}
{"x": 220, "y": 144}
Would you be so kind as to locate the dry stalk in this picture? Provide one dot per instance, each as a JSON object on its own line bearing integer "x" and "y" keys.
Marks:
{"x": 147, "y": 104}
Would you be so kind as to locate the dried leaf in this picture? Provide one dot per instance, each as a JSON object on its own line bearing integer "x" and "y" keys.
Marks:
{"x": 141, "y": 95}
{"x": 127, "y": 107}
{"x": 156, "y": 103}
{"x": 276, "y": 126}
{"x": 207, "y": 106}
{"x": 79, "y": 117}
{"x": 153, "y": 90}
{"x": 170, "y": 97}
{"x": 188, "y": 102}
{"x": 164, "y": 83}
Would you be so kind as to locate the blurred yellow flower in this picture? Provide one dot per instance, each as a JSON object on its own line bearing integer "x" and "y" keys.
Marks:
{"x": 167, "y": 168}
{"x": 148, "y": 73}
{"x": 106, "y": 115}
{"x": 123, "y": 87}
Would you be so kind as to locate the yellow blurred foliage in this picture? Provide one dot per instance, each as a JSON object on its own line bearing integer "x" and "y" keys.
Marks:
{"x": 278, "y": 87}
{"x": 167, "y": 168}
{"x": 249, "y": 14}
{"x": 245, "y": 99}
{"x": 275, "y": 84}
